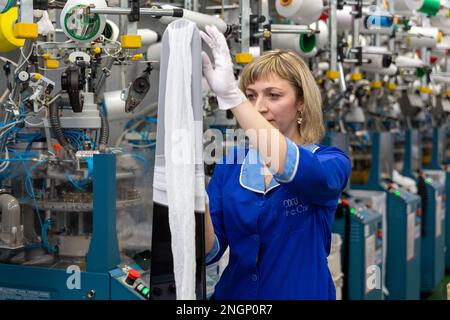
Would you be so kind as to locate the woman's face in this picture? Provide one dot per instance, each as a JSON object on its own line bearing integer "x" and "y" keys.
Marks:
{"x": 276, "y": 99}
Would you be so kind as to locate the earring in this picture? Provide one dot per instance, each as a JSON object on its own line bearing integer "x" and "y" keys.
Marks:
{"x": 299, "y": 119}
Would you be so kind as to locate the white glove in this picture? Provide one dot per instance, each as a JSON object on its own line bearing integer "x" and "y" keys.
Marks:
{"x": 221, "y": 78}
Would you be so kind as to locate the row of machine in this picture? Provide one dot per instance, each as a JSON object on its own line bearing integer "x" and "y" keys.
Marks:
{"x": 79, "y": 114}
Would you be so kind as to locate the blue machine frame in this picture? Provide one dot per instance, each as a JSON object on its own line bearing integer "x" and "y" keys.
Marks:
{"x": 402, "y": 275}
{"x": 363, "y": 224}
{"x": 103, "y": 279}
{"x": 364, "y": 227}
{"x": 432, "y": 246}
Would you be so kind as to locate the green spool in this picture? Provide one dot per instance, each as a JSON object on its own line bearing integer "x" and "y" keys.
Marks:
{"x": 307, "y": 43}
{"x": 90, "y": 23}
{"x": 420, "y": 72}
{"x": 431, "y": 7}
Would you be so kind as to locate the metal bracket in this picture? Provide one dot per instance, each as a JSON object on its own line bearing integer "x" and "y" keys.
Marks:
{"x": 135, "y": 10}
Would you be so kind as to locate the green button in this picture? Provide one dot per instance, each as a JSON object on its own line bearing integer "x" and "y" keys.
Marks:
{"x": 145, "y": 291}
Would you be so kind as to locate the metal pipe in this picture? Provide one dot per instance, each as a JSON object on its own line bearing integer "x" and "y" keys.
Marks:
{"x": 332, "y": 26}
{"x": 143, "y": 11}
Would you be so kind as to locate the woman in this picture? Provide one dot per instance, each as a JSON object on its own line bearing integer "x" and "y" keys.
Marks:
{"x": 276, "y": 213}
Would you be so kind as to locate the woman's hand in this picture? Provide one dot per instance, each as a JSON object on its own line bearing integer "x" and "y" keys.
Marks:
{"x": 220, "y": 78}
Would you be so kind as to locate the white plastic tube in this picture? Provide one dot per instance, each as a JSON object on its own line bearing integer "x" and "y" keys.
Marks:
{"x": 200, "y": 19}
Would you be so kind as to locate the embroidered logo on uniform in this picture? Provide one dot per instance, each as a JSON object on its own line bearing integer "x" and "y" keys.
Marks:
{"x": 293, "y": 207}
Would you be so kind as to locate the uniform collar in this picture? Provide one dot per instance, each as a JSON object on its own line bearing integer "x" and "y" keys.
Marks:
{"x": 252, "y": 177}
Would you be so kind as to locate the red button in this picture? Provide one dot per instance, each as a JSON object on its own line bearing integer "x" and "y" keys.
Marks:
{"x": 345, "y": 202}
{"x": 133, "y": 274}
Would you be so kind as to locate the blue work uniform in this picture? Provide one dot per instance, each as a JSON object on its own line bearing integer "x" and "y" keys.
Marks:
{"x": 279, "y": 238}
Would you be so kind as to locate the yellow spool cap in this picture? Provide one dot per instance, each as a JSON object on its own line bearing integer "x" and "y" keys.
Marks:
{"x": 440, "y": 37}
{"x": 26, "y": 30}
{"x": 97, "y": 50}
{"x": 356, "y": 76}
{"x": 8, "y": 42}
{"x": 131, "y": 41}
{"x": 392, "y": 86}
{"x": 137, "y": 57}
{"x": 46, "y": 56}
{"x": 37, "y": 76}
{"x": 52, "y": 64}
{"x": 376, "y": 85}
{"x": 243, "y": 58}
{"x": 425, "y": 90}
{"x": 331, "y": 74}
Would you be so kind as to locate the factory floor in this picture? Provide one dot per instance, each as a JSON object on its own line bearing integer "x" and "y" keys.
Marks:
{"x": 441, "y": 292}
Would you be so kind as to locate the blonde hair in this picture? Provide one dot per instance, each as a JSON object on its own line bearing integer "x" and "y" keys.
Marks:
{"x": 288, "y": 66}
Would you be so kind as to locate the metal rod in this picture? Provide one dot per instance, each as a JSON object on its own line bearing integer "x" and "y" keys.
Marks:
{"x": 332, "y": 26}
{"x": 125, "y": 11}
{"x": 356, "y": 60}
{"x": 289, "y": 31}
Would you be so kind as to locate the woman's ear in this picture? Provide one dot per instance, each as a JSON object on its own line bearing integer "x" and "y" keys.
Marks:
{"x": 301, "y": 105}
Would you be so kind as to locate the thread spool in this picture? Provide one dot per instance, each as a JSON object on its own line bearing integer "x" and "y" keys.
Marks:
{"x": 8, "y": 42}
{"x": 407, "y": 62}
{"x": 200, "y": 19}
{"x": 379, "y": 57}
{"x": 114, "y": 106}
{"x": 377, "y": 23}
{"x": 442, "y": 21}
{"x": 303, "y": 12}
{"x": 154, "y": 52}
{"x": 148, "y": 37}
{"x": 405, "y": 7}
{"x": 444, "y": 79}
{"x": 79, "y": 26}
{"x": 391, "y": 71}
{"x": 304, "y": 45}
{"x": 322, "y": 38}
{"x": 111, "y": 31}
{"x": 423, "y": 37}
{"x": 373, "y": 22}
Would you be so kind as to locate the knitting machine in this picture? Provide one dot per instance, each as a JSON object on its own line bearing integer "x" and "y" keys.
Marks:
{"x": 75, "y": 217}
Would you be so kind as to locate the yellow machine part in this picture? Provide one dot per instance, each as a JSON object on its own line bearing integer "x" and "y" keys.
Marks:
{"x": 8, "y": 42}
{"x": 130, "y": 41}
